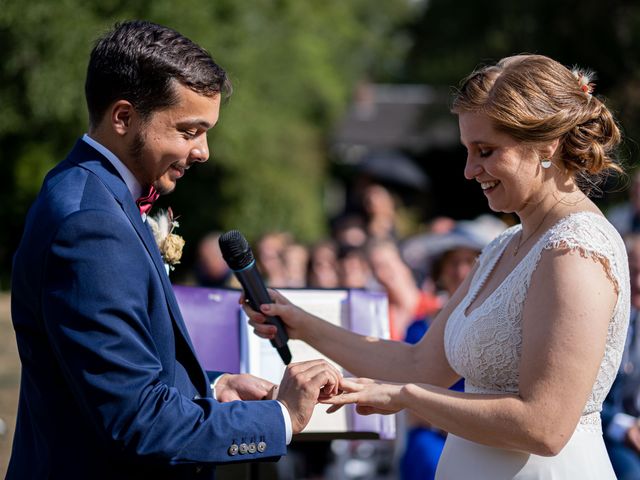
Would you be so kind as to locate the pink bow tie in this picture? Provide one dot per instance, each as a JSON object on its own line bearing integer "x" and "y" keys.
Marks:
{"x": 145, "y": 202}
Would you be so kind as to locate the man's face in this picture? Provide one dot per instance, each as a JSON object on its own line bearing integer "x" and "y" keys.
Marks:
{"x": 165, "y": 145}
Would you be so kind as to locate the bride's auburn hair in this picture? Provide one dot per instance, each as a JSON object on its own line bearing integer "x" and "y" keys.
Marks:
{"x": 536, "y": 100}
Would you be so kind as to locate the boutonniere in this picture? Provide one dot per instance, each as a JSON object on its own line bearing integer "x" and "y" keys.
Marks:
{"x": 162, "y": 225}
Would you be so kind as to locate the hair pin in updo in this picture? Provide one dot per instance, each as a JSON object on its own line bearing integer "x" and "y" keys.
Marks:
{"x": 584, "y": 80}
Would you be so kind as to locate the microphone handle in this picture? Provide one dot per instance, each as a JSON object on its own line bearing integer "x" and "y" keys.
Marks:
{"x": 257, "y": 295}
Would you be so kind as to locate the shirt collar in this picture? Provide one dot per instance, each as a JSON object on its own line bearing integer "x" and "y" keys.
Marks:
{"x": 132, "y": 183}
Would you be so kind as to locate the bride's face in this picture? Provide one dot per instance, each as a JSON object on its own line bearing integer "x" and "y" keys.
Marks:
{"x": 508, "y": 173}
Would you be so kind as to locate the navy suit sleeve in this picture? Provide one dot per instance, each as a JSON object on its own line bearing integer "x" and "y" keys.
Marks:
{"x": 100, "y": 321}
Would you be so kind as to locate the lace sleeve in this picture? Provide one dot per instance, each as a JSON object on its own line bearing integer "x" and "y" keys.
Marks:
{"x": 593, "y": 238}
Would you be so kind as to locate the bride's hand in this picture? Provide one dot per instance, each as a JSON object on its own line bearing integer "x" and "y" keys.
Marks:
{"x": 291, "y": 316}
{"x": 368, "y": 395}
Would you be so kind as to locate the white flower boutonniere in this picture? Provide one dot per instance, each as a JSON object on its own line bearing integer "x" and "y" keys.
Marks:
{"x": 162, "y": 225}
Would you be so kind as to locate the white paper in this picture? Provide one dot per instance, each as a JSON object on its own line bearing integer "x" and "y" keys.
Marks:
{"x": 261, "y": 359}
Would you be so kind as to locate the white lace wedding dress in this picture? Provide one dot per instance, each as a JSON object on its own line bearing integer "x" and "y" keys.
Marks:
{"x": 484, "y": 347}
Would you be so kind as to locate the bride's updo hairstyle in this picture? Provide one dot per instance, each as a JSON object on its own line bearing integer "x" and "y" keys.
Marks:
{"x": 535, "y": 100}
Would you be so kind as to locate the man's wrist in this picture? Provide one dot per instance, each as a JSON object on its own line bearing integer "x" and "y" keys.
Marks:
{"x": 215, "y": 383}
{"x": 287, "y": 422}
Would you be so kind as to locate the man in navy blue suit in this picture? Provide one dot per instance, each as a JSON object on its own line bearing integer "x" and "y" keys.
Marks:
{"x": 111, "y": 387}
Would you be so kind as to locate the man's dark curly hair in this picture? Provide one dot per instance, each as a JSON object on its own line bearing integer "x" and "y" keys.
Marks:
{"x": 139, "y": 61}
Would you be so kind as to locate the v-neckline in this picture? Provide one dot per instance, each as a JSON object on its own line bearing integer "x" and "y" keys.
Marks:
{"x": 487, "y": 273}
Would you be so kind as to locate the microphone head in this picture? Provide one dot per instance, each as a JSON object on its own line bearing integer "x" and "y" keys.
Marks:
{"x": 235, "y": 250}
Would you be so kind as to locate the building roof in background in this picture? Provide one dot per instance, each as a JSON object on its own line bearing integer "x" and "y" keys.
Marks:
{"x": 412, "y": 118}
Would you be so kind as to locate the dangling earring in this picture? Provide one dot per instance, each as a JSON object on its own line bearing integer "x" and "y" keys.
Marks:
{"x": 545, "y": 163}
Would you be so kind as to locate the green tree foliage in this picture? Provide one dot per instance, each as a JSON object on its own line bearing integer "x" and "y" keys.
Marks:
{"x": 448, "y": 43}
{"x": 292, "y": 63}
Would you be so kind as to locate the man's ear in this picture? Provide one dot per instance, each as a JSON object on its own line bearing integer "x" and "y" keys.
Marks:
{"x": 121, "y": 116}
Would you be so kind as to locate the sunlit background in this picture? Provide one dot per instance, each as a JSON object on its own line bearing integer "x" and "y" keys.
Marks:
{"x": 326, "y": 93}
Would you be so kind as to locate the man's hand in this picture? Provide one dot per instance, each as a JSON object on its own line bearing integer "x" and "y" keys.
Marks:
{"x": 369, "y": 396}
{"x": 303, "y": 384}
{"x": 242, "y": 387}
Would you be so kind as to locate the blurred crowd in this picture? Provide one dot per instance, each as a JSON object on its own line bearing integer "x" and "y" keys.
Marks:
{"x": 364, "y": 251}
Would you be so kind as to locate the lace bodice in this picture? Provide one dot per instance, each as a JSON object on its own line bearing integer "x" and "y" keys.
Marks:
{"x": 485, "y": 346}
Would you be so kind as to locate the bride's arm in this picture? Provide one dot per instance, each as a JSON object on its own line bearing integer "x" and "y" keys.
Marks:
{"x": 565, "y": 323}
{"x": 368, "y": 356}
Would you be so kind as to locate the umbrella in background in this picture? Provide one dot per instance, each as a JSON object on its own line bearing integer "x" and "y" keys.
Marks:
{"x": 392, "y": 167}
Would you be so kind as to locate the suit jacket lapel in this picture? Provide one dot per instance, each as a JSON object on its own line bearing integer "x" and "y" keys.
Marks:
{"x": 92, "y": 160}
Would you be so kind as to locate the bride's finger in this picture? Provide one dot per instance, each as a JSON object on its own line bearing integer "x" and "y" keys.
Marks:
{"x": 342, "y": 399}
{"x": 365, "y": 410}
{"x": 350, "y": 385}
{"x": 263, "y": 330}
{"x": 364, "y": 380}
{"x": 276, "y": 296}
{"x": 251, "y": 313}
{"x": 266, "y": 336}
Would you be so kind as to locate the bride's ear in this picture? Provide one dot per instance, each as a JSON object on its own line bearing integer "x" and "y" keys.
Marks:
{"x": 549, "y": 149}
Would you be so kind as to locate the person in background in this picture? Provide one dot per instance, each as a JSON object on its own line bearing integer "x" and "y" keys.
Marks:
{"x": 323, "y": 265}
{"x": 419, "y": 251}
{"x": 211, "y": 270}
{"x": 626, "y": 217}
{"x": 349, "y": 231}
{"x": 353, "y": 268}
{"x": 406, "y": 301}
{"x": 621, "y": 409}
{"x": 442, "y": 224}
{"x": 270, "y": 257}
{"x": 380, "y": 211}
{"x": 296, "y": 262}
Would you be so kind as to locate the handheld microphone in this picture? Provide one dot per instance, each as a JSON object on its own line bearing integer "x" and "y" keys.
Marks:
{"x": 238, "y": 255}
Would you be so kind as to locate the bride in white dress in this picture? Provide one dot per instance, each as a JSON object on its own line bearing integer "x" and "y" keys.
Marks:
{"x": 538, "y": 327}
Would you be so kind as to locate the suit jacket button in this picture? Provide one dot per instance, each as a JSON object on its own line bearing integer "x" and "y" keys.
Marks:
{"x": 233, "y": 450}
{"x": 252, "y": 448}
{"x": 243, "y": 448}
{"x": 262, "y": 447}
